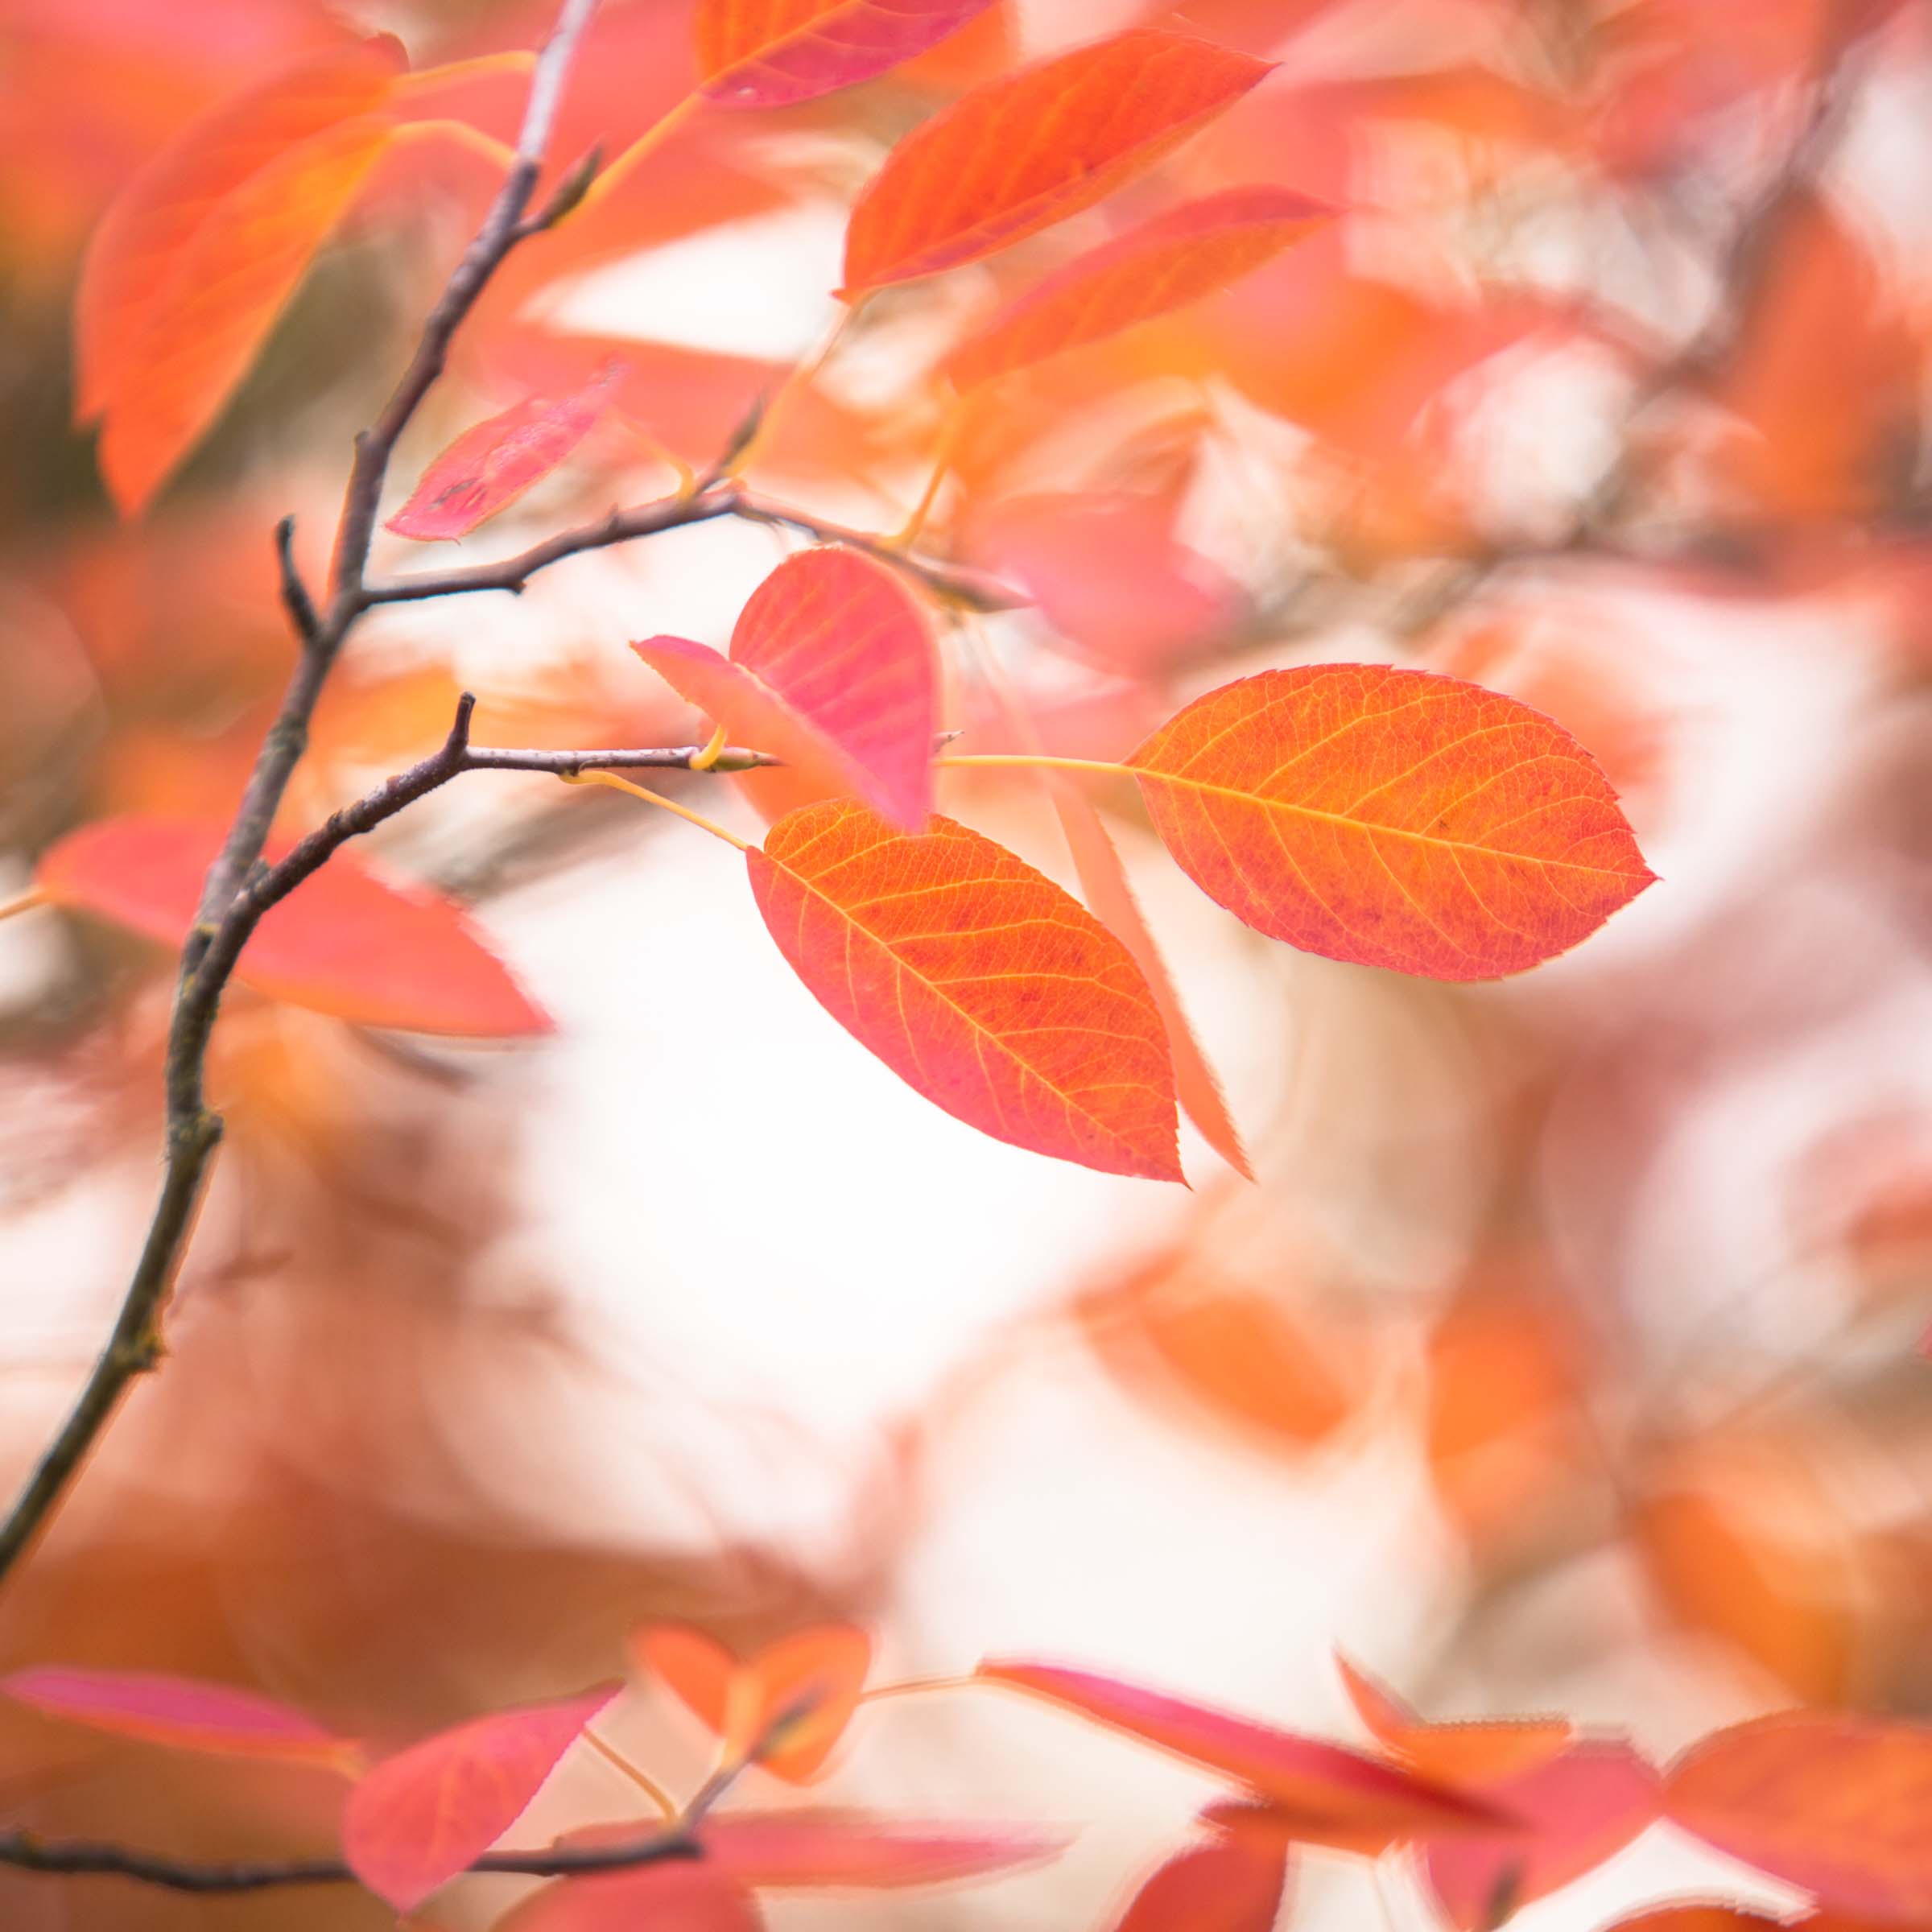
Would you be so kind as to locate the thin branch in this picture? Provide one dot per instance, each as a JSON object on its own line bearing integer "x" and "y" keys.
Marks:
{"x": 225, "y": 914}
{"x": 26, "y": 1852}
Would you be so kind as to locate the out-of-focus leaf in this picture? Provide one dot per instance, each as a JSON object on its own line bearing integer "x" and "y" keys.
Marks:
{"x": 138, "y": 248}
{"x": 1232, "y": 1883}
{"x": 832, "y": 669}
{"x": 489, "y": 467}
{"x": 1187, "y": 252}
{"x": 770, "y": 53}
{"x": 677, "y": 1896}
{"x": 780, "y": 1851}
{"x": 343, "y": 943}
{"x": 417, "y": 1819}
{"x": 1391, "y": 818}
{"x": 1317, "y": 1791}
{"x": 789, "y": 1705}
{"x": 978, "y": 980}
{"x": 1575, "y": 1810}
{"x": 1479, "y": 1754}
{"x": 1026, "y": 150}
{"x": 1699, "y": 1916}
{"x": 1829, "y": 1801}
{"x": 188, "y": 273}
{"x": 217, "y": 1719}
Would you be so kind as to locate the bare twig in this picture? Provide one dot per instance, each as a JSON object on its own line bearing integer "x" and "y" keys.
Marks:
{"x": 222, "y": 919}
{"x": 26, "y": 1852}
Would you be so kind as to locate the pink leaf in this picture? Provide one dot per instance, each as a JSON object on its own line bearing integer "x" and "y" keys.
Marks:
{"x": 1576, "y": 1810}
{"x": 770, "y": 53}
{"x": 213, "y": 1718}
{"x": 1331, "y": 1792}
{"x": 832, "y": 670}
{"x": 418, "y": 1818}
{"x": 677, "y": 1897}
{"x": 489, "y": 467}
{"x": 1234, "y": 1883}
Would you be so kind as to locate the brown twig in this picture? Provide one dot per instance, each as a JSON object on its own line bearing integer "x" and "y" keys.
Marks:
{"x": 223, "y": 917}
{"x": 26, "y": 1852}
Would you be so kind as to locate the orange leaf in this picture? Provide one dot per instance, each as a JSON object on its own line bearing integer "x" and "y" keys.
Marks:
{"x": 1033, "y": 147}
{"x": 217, "y": 1719}
{"x": 832, "y": 669}
{"x": 1325, "y": 1790}
{"x": 135, "y": 250}
{"x": 787, "y": 1707}
{"x": 1187, "y": 252}
{"x": 418, "y": 1818}
{"x": 192, "y": 339}
{"x": 678, "y": 1897}
{"x": 489, "y": 467}
{"x": 1479, "y": 1754}
{"x": 1392, "y": 818}
{"x": 1576, "y": 1810}
{"x": 1233, "y": 1884}
{"x": 343, "y": 943}
{"x": 1833, "y": 1803}
{"x": 791, "y": 1849}
{"x": 769, "y": 53}
{"x": 978, "y": 981}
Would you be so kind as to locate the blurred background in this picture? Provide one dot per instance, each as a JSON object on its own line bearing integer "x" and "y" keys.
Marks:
{"x": 1565, "y": 1354}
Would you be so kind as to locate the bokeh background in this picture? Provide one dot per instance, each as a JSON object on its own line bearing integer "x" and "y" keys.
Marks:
{"x": 1565, "y": 1354}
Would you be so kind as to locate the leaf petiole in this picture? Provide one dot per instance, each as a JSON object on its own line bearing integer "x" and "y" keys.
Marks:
{"x": 611, "y": 779}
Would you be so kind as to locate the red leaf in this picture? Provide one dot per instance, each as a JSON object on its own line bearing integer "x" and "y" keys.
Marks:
{"x": 1833, "y": 1803}
{"x": 1392, "y": 818}
{"x": 1031, "y": 148}
{"x": 1476, "y": 1754}
{"x": 1577, "y": 1810}
{"x": 786, "y": 1850}
{"x": 1187, "y": 252}
{"x": 343, "y": 943}
{"x": 489, "y": 467}
{"x": 136, "y": 249}
{"x": 1327, "y": 1791}
{"x": 1233, "y": 1884}
{"x": 831, "y": 669}
{"x": 808, "y": 1684}
{"x": 681, "y": 1897}
{"x": 418, "y": 1818}
{"x": 977, "y": 981}
{"x": 769, "y": 53}
{"x": 217, "y": 1719}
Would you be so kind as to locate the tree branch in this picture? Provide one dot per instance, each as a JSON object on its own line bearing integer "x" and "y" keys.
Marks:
{"x": 26, "y": 1852}
{"x": 222, "y": 920}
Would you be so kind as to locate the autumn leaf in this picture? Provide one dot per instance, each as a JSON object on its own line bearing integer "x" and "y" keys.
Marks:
{"x": 343, "y": 943}
{"x": 1321, "y": 1791}
{"x": 1030, "y": 148}
{"x": 978, "y": 980}
{"x": 190, "y": 268}
{"x": 832, "y": 670}
{"x": 779, "y": 1851}
{"x": 786, "y": 1707}
{"x": 218, "y": 1719}
{"x": 1575, "y": 1810}
{"x": 1232, "y": 1883}
{"x": 1391, "y": 818}
{"x": 1829, "y": 1801}
{"x": 417, "y": 1819}
{"x": 134, "y": 252}
{"x": 1187, "y": 253}
{"x": 1701, "y": 1916}
{"x": 1477, "y": 1754}
{"x": 770, "y": 53}
{"x": 489, "y": 467}
{"x": 679, "y": 1896}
